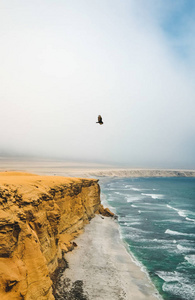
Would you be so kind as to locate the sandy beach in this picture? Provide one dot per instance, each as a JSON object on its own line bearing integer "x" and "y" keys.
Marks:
{"x": 85, "y": 170}
{"x": 101, "y": 268}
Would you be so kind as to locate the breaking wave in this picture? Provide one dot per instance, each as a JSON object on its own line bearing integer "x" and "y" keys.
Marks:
{"x": 153, "y": 196}
{"x": 172, "y": 232}
{"x": 184, "y": 249}
{"x": 190, "y": 259}
{"x": 180, "y": 289}
{"x": 182, "y": 213}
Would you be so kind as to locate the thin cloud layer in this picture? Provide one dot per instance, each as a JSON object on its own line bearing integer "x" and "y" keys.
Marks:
{"x": 63, "y": 63}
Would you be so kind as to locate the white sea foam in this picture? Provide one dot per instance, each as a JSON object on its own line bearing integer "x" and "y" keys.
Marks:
{"x": 161, "y": 247}
{"x": 153, "y": 243}
{"x": 134, "y": 205}
{"x": 129, "y": 218}
{"x": 130, "y": 221}
{"x": 129, "y": 224}
{"x": 134, "y": 223}
{"x": 190, "y": 259}
{"x": 172, "y": 232}
{"x": 180, "y": 289}
{"x": 184, "y": 249}
{"x": 128, "y": 186}
{"x": 168, "y": 221}
{"x": 139, "y": 231}
{"x": 118, "y": 193}
{"x": 170, "y": 276}
{"x": 157, "y": 204}
{"x": 153, "y": 196}
{"x": 189, "y": 219}
{"x": 131, "y": 199}
{"x": 163, "y": 241}
{"x": 126, "y": 224}
{"x": 177, "y": 284}
{"x": 168, "y": 231}
{"x": 136, "y": 189}
{"x": 181, "y": 213}
{"x": 169, "y": 206}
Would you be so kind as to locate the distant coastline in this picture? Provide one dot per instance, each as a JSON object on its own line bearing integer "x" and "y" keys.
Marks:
{"x": 76, "y": 169}
{"x": 144, "y": 173}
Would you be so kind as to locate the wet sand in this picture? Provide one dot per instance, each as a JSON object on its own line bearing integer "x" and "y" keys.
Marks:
{"x": 103, "y": 268}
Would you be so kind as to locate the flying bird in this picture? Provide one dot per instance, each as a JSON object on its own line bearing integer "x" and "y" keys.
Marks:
{"x": 100, "y": 120}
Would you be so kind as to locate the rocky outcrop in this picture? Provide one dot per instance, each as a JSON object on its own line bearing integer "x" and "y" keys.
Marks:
{"x": 39, "y": 217}
{"x": 106, "y": 212}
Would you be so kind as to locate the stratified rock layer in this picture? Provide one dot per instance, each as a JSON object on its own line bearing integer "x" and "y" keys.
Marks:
{"x": 39, "y": 216}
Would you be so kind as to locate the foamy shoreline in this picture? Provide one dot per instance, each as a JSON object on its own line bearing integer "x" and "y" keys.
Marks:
{"x": 103, "y": 266}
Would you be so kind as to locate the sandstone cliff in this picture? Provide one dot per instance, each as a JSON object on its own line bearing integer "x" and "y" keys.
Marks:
{"x": 39, "y": 216}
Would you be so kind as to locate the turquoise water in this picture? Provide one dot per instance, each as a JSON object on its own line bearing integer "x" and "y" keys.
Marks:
{"x": 157, "y": 221}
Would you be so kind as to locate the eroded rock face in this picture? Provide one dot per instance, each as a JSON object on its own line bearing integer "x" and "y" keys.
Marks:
{"x": 39, "y": 216}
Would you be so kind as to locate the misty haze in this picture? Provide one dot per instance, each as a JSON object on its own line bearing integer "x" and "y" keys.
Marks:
{"x": 63, "y": 63}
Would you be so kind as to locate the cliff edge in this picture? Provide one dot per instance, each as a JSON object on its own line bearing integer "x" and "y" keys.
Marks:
{"x": 39, "y": 216}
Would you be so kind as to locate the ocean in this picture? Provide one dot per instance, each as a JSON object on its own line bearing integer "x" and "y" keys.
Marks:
{"x": 157, "y": 223}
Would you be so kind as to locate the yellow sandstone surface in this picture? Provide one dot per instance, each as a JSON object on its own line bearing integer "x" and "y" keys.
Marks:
{"x": 39, "y": 216}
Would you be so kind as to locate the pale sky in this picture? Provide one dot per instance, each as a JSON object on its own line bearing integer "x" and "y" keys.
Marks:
{"x": 65, "y": 62}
